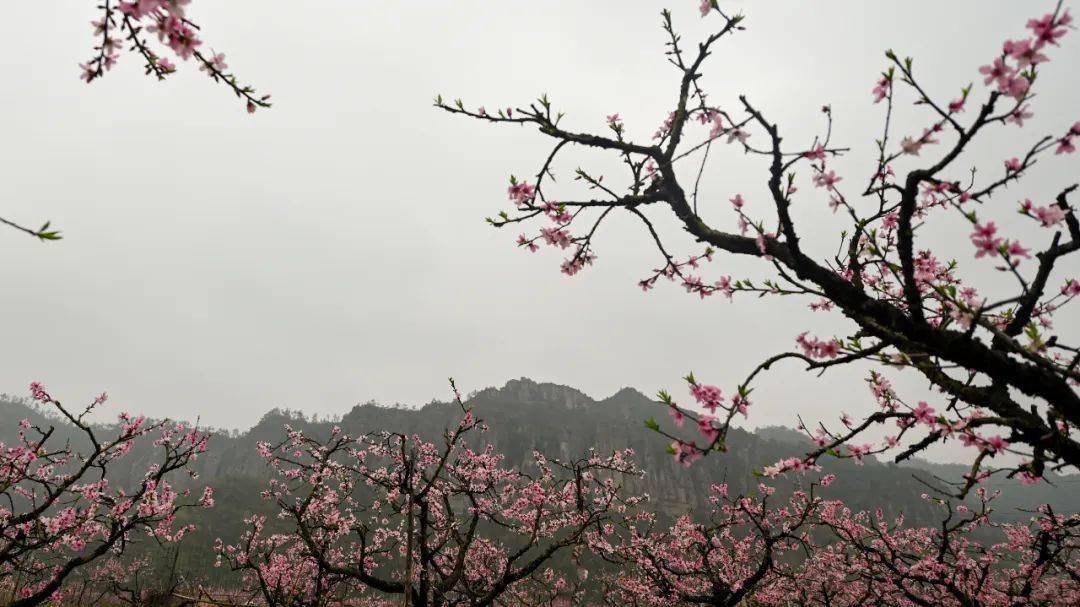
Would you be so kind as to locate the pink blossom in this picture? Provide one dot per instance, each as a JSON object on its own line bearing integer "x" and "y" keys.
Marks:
{"x": 521, "y": 193}
{"x": 1049, "y": 215}
{"x": 817, "y": 348}
{"x": 1014, "y": 249}
{"x": 708, "y": 396}
{"x": 999, "y": 71}
{"x": 818, "y": 153}
{"x": 578, "y": 262}
{"x": 707, "y": 429}
{"x": 1015, "y": 85}
{"x": 556, "y": 237}
{"x": 1024, "y": 52}
{"x": 1071, "y": 288}
{"x": 676, "y": 415}
{"x": 686, "y": 453}
{"x": 826, "y": 180}
{"x": 717, "y": 125}
{"x": 1020, "y": 115}
{"x": 996, "y": 443}
{"x": 984, "y": 239}
{"x": 724, "y": 285}
{"x": 859, "y": 451}
{"x": 38, "y": 393}
{"x": 1047, "y": 30}
{"x": 741, "y": 404}
{"x": 522, "y": 241}
{"x": 216, "y": 62}
{"x": 882, "y": 88}
{"x": 924, "y": 414}
{"x": 1027, "y": 478}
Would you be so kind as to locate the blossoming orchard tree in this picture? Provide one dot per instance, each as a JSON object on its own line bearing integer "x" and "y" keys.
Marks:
{"x": 1006, "y": 381}
{"x": 809, "y": 551}
{"x": 882, "y": 562}
{"x": 60, "y": 511}
{"x": 871, "y": 560}
{"x": 725, "y": 561}
{"x": 386, "y": 515}
{"x": 125, "y": 25}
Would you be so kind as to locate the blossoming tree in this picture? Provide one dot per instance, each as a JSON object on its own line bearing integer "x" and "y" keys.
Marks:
{"x": 745, "y": 545}
{"x": 874, "y": 560}
{"x": 434, "y": 524}
{"x": 1006, "y": 380}
{"x": 60, "y": 511}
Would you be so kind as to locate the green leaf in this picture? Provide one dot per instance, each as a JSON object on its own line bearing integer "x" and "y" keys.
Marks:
{"x": 652, "y": 425}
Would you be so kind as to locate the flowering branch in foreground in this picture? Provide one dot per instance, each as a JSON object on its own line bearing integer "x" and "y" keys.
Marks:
{"x": 1006, "y": 380}
{"x": 126, "y": 23}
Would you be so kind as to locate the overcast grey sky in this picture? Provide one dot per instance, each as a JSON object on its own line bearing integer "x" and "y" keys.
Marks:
{"x": 332, "y": 249}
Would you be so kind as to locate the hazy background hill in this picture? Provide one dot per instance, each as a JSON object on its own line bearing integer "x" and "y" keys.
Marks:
{"x": 558, "y": 421}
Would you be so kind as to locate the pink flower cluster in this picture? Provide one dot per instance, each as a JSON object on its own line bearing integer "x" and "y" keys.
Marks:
{"x": 987, "y": 243}
{"x": 60, "y": 512}
{"x": 126, "y": 21}
{"x": 365, "y": 498}
{"x": 818, "y": 348}
{"x": 1048, "y": 216}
